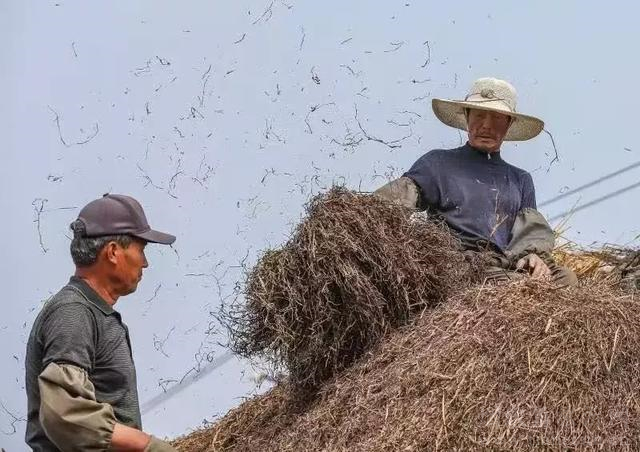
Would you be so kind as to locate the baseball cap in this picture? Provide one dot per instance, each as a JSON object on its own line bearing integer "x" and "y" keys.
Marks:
{"x": 119, "y": 214}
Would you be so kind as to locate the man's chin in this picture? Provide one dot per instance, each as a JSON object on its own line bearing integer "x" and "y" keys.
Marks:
{"x": 131, "y": 289}
{"x": 486, "y": 144}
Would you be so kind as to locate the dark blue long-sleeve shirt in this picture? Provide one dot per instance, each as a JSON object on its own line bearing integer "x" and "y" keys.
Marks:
{"x": 477, "y": 195}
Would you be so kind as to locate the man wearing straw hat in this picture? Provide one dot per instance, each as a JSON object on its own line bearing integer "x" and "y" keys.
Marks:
{"x": 489, "y": 203}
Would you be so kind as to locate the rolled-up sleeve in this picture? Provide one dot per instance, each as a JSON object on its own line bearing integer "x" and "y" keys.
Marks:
{"x": 425, "y": 175}
{"x": 402, "y": 191}
{"x": 531, "y": 233}
{"x": 69, "y": 413}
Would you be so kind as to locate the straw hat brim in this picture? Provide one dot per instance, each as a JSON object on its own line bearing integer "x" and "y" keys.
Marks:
{"x": 452, "y": 113}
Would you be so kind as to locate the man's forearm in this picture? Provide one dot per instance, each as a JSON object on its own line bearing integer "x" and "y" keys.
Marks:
{"x": 75, "y": 421}
{"x": 127, "y": 439}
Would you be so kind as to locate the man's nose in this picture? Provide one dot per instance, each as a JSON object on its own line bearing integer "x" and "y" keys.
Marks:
{"x": 145, "y": 264}
{"x": 487, "y": 122}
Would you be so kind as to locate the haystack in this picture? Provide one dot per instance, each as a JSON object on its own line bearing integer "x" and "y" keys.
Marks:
{"x": 514, "y": 367}
{"x": 405, "y": 349}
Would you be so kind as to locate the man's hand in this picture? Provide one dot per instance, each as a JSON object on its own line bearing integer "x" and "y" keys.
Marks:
{"x": 157, "y": 445}
{"x": 534, "y": 265}
{"x": 127, "y": 439}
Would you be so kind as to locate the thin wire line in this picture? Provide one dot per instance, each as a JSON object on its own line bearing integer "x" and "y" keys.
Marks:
{"x": 596, "y": 201}
{"x": 590, "y": 184}
{"x": 178, "y": 388}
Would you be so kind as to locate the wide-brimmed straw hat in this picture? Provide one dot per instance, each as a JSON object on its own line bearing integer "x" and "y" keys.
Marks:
{"x": 490, "y": 94}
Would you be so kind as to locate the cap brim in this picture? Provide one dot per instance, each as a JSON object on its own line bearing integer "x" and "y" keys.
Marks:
{"x": 156, "y": 237}
{"x": 451, "y": 113}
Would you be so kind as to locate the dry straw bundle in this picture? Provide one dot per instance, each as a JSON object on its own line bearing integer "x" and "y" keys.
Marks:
{"x": 355, "y": 268}
{"x": 609, "y": 263}
{"x": 513, "y": 367}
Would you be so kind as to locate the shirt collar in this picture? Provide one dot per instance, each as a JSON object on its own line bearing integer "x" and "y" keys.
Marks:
{"x": 495, "y": 157}
{"x": 91, "y": 295}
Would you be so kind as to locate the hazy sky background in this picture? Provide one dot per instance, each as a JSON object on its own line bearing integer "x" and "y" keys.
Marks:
{"x": 222, "y": 118}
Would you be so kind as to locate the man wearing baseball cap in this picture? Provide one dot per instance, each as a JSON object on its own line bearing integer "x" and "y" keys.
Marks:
{"x": 80, "y": 376}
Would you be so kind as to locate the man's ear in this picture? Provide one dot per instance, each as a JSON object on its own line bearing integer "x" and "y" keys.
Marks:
{"x": 111, "y": 251}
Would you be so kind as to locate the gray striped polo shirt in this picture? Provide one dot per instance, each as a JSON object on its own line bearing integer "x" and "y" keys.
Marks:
{"x": 80, "y": 328}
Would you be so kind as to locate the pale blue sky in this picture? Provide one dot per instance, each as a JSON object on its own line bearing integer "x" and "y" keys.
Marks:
{"x": 230, "y": 177}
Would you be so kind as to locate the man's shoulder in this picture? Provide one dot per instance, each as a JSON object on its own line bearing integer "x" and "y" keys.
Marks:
{"x": 522, "y": 173}
{"x": 433, "y": 162}
{"x": 66, "y": 295}
{"x": 445, "y": 152}
{"x": 67, "y": 309}
{"x": 440, "y": 154}
{"x": 68, "y": 300}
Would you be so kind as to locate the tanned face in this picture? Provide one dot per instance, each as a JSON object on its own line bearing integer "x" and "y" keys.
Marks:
{"x": 487, "y": 129}
{"x": 127, "y": 263}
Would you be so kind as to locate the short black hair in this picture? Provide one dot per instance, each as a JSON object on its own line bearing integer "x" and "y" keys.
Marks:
{"x": 85, "y": 250}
